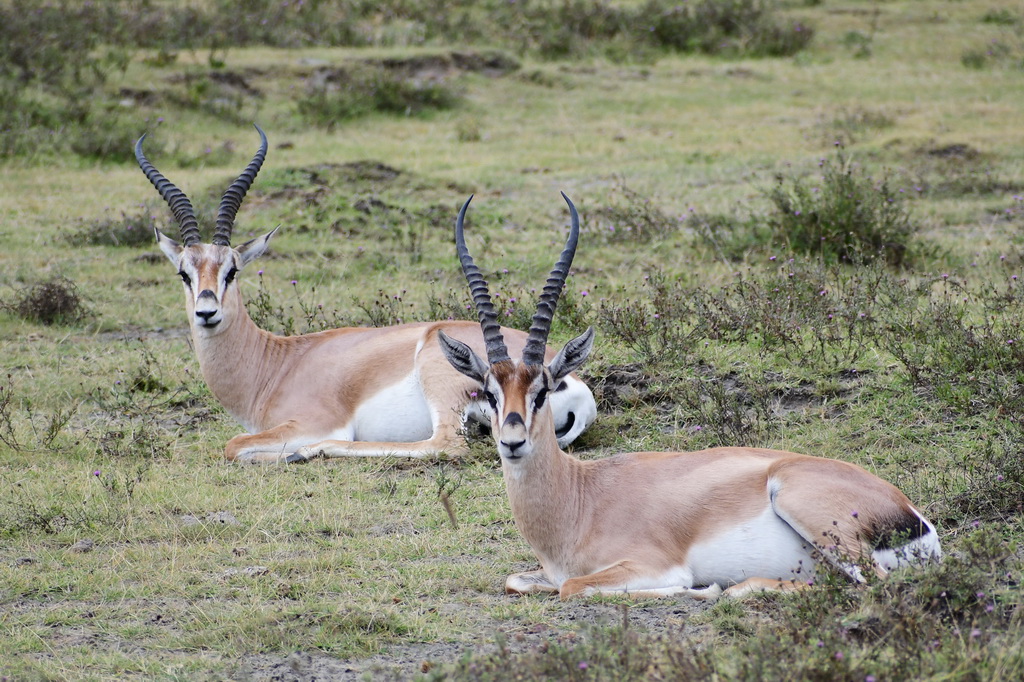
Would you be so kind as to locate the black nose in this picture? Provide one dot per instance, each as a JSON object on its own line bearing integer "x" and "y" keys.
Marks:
{"x": 512, "y": 447}
{"x": 205, "y": 315}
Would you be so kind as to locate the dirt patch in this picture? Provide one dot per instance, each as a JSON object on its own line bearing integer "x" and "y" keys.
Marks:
{"x": 747, "y": 74}
{"x": 619, "y": 385}
{"x": 134, "y": 333}
{"x": 953, "y": 151}
{"x": 235, "y": 81}
{"x": 440, "y": 67}
{"x": 956, "y": 170}
{"x": 433, "y": 68}
{"x": 402, "y": 662}
{"x": 799, "y": 399}
{"x": 227, "y": 82}
{"x": 310, "y": 184}
{"x": 139, "y": 97}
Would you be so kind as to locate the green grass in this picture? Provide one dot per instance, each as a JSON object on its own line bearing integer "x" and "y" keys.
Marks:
{"x": 200, "y": 568}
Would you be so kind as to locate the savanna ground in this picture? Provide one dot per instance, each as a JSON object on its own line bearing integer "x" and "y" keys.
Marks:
{"x": 801, "y": 230}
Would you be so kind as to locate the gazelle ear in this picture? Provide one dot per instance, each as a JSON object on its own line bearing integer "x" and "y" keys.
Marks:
{"x": 462, "y": 357}
{"x": 171, "y": 248}
{"x": 254, "y": 248}
{"x": 572, "y": 355}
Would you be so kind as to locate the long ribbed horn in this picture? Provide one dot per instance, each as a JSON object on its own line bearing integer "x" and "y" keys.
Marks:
{"x": 540, "y": 326}
{"x": 179, "y": 203}
{"x": 496, "y": 350}
{"x": 236, "y": 192}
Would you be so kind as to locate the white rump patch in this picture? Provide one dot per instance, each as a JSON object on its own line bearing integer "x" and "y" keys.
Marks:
{"x": 762, "y": 547}
{"x": 579, "y": 400}
{"x": 397, "y": 414}
{"x": 916, "y": 552}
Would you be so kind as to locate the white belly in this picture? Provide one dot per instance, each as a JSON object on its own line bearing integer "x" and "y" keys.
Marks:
{"x": 763, "y": 547}
{"x": 399, "y": 413}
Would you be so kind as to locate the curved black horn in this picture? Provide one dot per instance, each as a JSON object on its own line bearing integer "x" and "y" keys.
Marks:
{"x": 179, "y": 203}
{"x": 533, "y": 353}
{"x": 496, "y": 350}
{"x": 236, "y": 192}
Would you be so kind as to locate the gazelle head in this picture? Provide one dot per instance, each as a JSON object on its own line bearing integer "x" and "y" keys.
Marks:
{"x": 208, "y": 270}
{"x": 518, "y": 390}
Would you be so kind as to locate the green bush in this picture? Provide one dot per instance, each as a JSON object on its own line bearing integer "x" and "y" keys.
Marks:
{"x": 345, "y": 95}
{"x": 736, "y": 27}
{"x": 630, "y": 218}
{"x": 54, "y": 61}
{"x": 55, "y": 301}
{"x": 806, "y": 312}
{"x": 130, "y": 229}
{"x": 972, "y": 362}
{"x": 848, "y": 217}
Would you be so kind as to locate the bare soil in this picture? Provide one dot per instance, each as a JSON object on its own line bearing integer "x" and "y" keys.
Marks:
{"x": 405, "y": 661}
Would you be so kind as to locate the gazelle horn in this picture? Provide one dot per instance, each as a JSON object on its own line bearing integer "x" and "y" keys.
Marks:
{"x": 232, "y": 199}
{"x": 540, "y": 326}
{"x": 496, "y": 350}
{"x": 180, "y": 205}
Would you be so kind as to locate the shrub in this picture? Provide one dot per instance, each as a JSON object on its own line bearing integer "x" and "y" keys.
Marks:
{"x": 342, "y": 95}
{"x": 54, "y": 61}
{"x": 989, "y": 481}
{"x": 43, "y": 431}
{"x": 809, "y": 313}
{"x": 130, "y": 229}
{"x": 731, "y": 27}
{"x": 848, "y": 218}
{"x": 733, "y": 238}
{"x": 56, "y": 301}
{"x": 974, "y": 362}
{"x": 631, "y": 218}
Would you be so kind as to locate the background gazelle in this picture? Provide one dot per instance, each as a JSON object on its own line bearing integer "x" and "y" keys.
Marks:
{"x": 666, "y": 523}
{"x": 344, "y": 392}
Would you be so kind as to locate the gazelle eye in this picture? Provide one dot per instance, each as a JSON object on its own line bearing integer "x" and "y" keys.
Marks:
{"x": 230, "y": 277}
{"x": 185, "y": 278}
{"x": 492, "y": 400}
{"x": 538, "y": 402}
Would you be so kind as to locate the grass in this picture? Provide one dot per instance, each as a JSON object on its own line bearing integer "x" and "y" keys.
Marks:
{"x": 199, "y": 568}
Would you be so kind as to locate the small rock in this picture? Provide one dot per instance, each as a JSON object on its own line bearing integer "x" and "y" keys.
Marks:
{"x": 251, "y": 571}
{"x": 222, "y": 517}
{"x": 25, "y": 561}
{"x": 84, "y": 545}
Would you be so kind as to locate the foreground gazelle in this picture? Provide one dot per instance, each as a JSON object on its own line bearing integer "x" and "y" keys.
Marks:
{"x": 345, "y": 392}
{"x": 666, "y": 523}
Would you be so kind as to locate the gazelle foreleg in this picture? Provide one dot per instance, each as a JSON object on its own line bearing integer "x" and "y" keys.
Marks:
{"x": 529, "y": 582}
{"x": 616, "y": 579}
{"x": 757, "y": 585}
{"x": 272, "y": 445}
{"x": 446, "y": 439}
{"x": 354, "y": 448}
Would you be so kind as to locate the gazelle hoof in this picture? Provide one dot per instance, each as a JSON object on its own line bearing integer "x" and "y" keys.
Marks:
{"x": 304, "y": 454}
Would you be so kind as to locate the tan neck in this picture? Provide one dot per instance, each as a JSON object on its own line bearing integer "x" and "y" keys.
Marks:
{"x": 546, "y": 495}
{"x": 239, "y": 363}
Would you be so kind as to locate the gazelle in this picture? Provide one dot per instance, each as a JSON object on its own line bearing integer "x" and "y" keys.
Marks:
{"x": 667, "y": 523}
{"x": 344, "y": 392}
